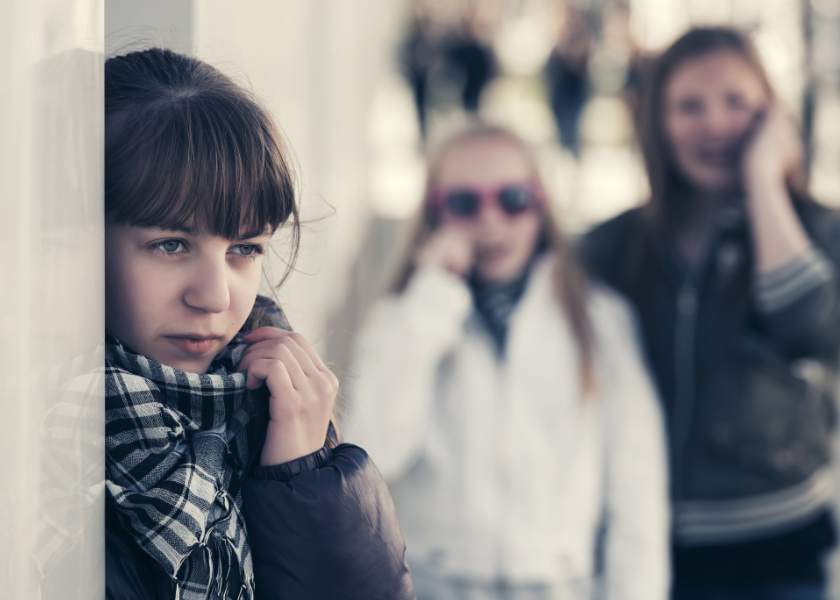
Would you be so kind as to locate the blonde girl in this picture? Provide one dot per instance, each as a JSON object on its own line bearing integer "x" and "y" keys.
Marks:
{"x": 504, "y": 399}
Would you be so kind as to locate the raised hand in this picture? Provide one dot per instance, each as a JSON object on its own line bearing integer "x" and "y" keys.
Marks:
{"x": 448, "y": 248}
{"x": 772, "y": 154}
{"x": 303, "y": 392}
{"x": 775, "y": 149}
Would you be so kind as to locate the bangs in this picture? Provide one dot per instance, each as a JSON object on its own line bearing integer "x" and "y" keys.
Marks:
{"x": 213, "y": 162}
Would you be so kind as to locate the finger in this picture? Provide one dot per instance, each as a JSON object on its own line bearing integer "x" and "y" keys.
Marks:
{"x": 455, "y": 233}
{"x": 305, "y": 355}
{"x": 311, "y": 357}
{"x": 271, "y": 372}
{"x": 247, "y": 357}
{"x": 449, "y": 228}
{"x": 465, "y": 246}
{"x": 464, "y": 264}
{"x": 262, "y": 344}
{"x": 279, "y": 380}
{"x": 265, "y": 333}
{"x": 251, "y": 353}
{"x": 298, "y": 377}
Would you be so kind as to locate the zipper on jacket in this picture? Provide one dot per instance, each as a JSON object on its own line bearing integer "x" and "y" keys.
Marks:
{"x": 684, "y": 341}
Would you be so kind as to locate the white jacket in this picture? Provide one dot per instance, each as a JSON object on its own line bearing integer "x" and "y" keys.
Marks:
{"x": 503, "y": 469}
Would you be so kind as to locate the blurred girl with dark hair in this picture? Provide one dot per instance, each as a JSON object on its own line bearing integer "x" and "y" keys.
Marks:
{"x": 733, "y": 270}
{"x": 225, "y": 476}
{"x": 504, "y": 399}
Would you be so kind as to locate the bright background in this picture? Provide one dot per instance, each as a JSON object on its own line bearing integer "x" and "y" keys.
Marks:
{"x": 329, "y": 71}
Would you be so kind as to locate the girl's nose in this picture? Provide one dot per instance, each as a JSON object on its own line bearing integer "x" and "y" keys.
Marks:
{"x": 721, "y": 122}
{"x": 492, "y": 215}
{"x": 208, "y": 287}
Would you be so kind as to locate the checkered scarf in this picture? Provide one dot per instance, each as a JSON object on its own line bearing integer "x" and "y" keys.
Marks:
{"x": 496, "y": 303}
{"x": 177, "y": 447}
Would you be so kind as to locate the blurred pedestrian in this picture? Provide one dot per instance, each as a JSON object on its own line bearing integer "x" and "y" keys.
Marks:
{"x": 504, "y": 399}
{"x": 470, "y": 60}
{"x": 566, "y": 75}
{"x": 733, "y": 270}
{"x": 418, "y": 54}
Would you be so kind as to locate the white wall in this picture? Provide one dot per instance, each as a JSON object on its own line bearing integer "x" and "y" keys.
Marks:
{"x": 150, "y": 22}
{"x": 316, "y": 65}
{"x": 51, "y": 300}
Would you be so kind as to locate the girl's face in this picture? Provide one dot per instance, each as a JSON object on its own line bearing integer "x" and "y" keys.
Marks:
{"x": 711, "y": 103}
{"x": 178, "y": 297}
{"x": 503, "y": 242}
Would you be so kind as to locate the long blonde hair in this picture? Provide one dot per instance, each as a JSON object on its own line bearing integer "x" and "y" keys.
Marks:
{"x": 569, "y": 282}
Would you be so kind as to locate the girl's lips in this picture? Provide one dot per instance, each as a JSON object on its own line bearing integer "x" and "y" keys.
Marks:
{"x": 193, "y": 345}
{"x": 491, "y": 252}
{"x": 716, "y": 161}
{"x": 718, "y": 157}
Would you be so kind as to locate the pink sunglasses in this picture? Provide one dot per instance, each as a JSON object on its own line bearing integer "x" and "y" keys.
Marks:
{"x": 467, "y": 202}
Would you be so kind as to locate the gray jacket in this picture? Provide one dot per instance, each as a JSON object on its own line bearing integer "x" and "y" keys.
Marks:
{"x": 745, "y": 365}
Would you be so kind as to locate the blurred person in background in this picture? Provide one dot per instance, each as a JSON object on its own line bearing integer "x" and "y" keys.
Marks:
{"x": 470, "y": 59}
{"x": 417, "y": 56}
{"x": 446, "y": 63}
{"x": 504, "y": 398}
{"x": 732, "y": 268}
{"x": 566, "y": 75}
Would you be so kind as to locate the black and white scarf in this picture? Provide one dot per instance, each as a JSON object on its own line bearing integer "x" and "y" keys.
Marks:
{"x": 496, "y": 303}
{"x": 177, "y": 447}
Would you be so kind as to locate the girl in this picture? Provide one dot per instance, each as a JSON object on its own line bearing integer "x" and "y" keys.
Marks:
{"x": 225, "y": 478}
{"x": 733, "y": 270}
{"x": 504, "y": 399}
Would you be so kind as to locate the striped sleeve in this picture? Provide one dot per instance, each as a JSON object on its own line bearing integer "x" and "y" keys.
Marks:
{"x": 779, "y": 288}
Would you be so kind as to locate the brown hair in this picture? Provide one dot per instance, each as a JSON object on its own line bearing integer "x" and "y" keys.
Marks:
{"x": 186, "y": 146}
{"x": 570, "y": 283}
{"x": 667, "y": 184}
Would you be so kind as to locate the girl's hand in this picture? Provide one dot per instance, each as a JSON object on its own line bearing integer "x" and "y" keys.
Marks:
{"x": 450, "y": 249}
{"x": 773, "y": 153}
{"x": 775, "y": 149}
{"x": 303, "y": 392}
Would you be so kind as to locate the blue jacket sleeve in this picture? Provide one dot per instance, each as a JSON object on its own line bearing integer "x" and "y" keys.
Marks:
{"x": 324, "y": 526}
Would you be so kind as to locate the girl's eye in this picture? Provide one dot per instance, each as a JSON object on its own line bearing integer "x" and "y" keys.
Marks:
{"x": 691, "y": 106}
{"x": 250, "y": 250}
{"x": 170, "y": 246}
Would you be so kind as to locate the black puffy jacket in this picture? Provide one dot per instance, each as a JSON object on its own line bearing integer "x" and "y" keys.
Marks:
{"x": 322, "y": 526}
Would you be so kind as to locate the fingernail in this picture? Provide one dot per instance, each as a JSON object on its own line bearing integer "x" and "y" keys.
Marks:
{"x": 247, "y": 332}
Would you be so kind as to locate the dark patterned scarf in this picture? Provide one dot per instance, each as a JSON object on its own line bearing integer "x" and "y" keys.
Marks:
{"x": 496, "y": 303}
{"x": 177, "y": 447}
